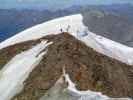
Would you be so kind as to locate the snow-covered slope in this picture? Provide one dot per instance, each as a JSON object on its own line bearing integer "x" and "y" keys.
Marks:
{"x": 23, "y": 63}
{"x": 47, "y": 28}
{"x": 17, "y": 70}
{"x": 79, "y": 30}
{"x": 60, "y": 91}
{"x": 108, "y": 47}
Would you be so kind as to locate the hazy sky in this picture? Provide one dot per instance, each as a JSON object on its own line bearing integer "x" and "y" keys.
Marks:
{"x": 55, "y": 3}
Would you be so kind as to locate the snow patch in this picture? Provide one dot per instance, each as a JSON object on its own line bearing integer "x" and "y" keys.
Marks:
{"x": 18, "y": 69}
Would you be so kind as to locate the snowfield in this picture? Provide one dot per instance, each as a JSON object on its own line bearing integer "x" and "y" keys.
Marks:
{"x": 47, "y": 28}
{"x": 18, "y": 69}
{"x": 79, "y": 30}
{"x": 60, "y": 92}
{"x": 15, "y": 72}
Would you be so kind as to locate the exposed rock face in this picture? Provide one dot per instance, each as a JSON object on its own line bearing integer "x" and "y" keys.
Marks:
{"x": 64, "y": 89}
{"x": 87, "y": 68}
{"x": 110, "y": 25}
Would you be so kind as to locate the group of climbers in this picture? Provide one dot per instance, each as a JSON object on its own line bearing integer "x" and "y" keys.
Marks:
{"x": 67, "y": 29}
{"x": 78, "y": 33}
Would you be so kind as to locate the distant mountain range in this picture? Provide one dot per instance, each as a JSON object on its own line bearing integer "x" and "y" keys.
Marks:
{"x": 13, "y": 21}
{"x": 112, "y": 26}
{"x": 34, "y": 60}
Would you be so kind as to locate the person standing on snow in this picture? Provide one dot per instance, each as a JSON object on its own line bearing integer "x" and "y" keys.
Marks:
{"x": 68, "y": 28}
{"x": 61, "y": 30}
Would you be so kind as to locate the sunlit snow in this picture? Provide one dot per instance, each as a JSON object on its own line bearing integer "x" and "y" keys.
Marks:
{"x": 79, "y": 30}
{"x": 17, "y": 70}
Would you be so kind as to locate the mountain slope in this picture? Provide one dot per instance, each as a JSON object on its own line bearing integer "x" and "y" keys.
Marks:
{"x": 85, "y": 55}
{"x": 110, "y": 25}
{"x": 11, "y": 83}
{"x": 64, "y": 89}
{"x": 87, "y": 69}
{"x": 74, "y": 25}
